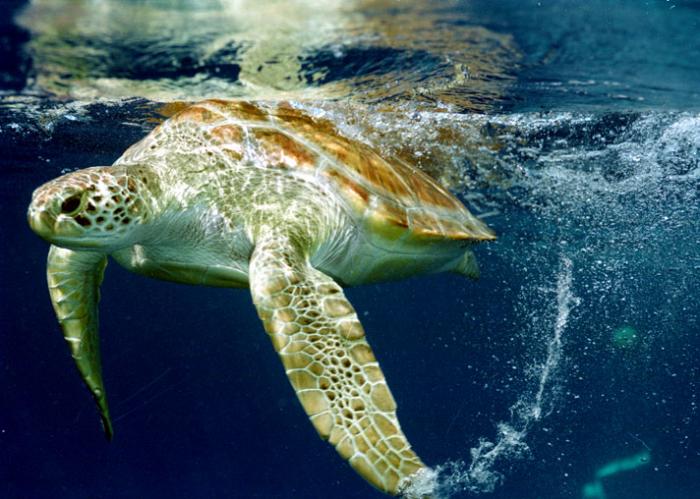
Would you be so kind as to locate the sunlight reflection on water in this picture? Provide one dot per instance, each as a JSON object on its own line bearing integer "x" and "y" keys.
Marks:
{"x": 367, "y": 50}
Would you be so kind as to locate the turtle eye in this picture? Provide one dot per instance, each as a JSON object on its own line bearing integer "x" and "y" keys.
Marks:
{"x": 71, "y": 205}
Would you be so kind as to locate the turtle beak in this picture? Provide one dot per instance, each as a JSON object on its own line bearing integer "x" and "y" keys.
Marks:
{"x": 41, "y": 222}
{"x": 51, "y": 228}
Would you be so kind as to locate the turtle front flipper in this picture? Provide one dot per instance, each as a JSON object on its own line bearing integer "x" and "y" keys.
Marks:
{"x": 74, "y": 279}
{"x": 323, "y": 348}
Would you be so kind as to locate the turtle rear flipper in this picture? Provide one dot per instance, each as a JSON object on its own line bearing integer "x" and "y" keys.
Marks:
{"x": 468, "y": 266}
{"x": 323, "y": 348}
{"x": 74, "y": 279}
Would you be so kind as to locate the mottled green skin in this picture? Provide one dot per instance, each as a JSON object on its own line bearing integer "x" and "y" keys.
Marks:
{"x": 231, "y": 200}
{"x": 208, "y": 217}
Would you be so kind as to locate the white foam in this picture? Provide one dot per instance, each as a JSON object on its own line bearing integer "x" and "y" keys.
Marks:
{"x": 421, "y": 484}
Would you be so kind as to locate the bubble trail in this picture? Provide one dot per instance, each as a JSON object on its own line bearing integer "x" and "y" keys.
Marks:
{"x": 481, "y": 475}
{"x": 565, "y": 302}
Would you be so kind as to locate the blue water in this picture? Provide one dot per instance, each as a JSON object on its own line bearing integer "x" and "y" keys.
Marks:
{"x": 587, "y": 164}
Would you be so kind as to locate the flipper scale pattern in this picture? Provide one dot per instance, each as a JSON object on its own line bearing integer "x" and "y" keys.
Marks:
{"x": 323, "y": 348}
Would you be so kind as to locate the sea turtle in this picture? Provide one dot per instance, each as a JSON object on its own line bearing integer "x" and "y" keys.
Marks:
{"x": 238, "y": 194}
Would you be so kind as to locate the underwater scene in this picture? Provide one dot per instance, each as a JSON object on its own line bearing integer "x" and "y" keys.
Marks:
{"x": 569, "y": 369}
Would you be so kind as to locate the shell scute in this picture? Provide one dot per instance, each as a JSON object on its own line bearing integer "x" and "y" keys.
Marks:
{"x": 380, "y": 173}
{"x": 429, "y": 192}
{"x": 281, "y": 150}
{"x": 227, "y": 134}
{"x": 229, "y": 138}
{"x": 302, "y": 123}
{"x": 357, "y": 196}
{"x": 425, "y": 223}
{"x": 338, "y": 150}
{"x": 242, "y": 110}
{"x": 198, "y": 113}
{"x": 346, "y": 153}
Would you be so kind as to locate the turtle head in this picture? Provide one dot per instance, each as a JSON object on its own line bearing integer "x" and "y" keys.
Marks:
{"x": 99, "y": 207}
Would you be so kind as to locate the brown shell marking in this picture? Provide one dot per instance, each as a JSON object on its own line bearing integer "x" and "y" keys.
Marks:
{"x": 230, "y": 139}
{"x": 394, "y": 196}
{"x": 242, "y": 110}
{"x": 170, "y": 109}
{"x": 282, "y": 150}
{"x": 214, "y": 110}
{"x": 434, "y": 212}
{"x": 355, "y": 194}
{"x": 198, "y": 114}
{"x": 351, "y": 154}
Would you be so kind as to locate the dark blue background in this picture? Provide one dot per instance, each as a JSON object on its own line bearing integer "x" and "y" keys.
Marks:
{"x": 200, "y": 402}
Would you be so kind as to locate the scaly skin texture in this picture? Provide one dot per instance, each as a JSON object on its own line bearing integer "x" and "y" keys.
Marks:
{"x": 323, "y": 348}
{"x": 231, "y": 195}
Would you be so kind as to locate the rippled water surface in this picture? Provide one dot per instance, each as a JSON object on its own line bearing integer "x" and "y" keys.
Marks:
{"x": 370, "y": 51}
{"x": 570, "y": 369}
